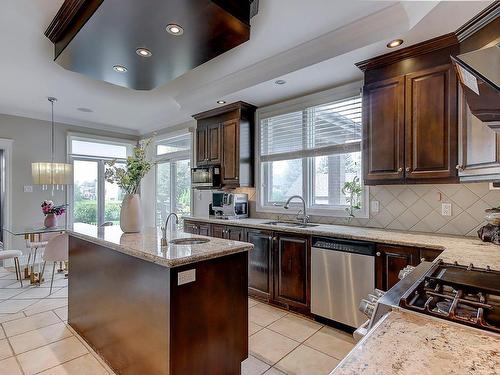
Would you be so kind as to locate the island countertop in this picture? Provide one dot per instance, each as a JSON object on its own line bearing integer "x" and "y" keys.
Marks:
{"x": 147, "y": 244}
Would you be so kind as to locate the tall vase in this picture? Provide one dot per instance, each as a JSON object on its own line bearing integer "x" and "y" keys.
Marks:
{"x": 131, "y": 214}
{"x": 50, "y": 221}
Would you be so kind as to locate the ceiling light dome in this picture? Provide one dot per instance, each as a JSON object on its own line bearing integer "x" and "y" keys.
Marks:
{"x": 394, "y": 43}
{"x": 174, "y": 29}
{"x": 119, "y": 68}
{"x": 143, "y": 52}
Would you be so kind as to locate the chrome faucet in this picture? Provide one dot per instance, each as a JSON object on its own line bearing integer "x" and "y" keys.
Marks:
{"x": 305, "y": 218}
{"x": 164, "y": 241}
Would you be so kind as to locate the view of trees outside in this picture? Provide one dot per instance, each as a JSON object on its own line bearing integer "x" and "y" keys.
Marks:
{"x": 173, "y": 189}
{"x": 285, "y": 179}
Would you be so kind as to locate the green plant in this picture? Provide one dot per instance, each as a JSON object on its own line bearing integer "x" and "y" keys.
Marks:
{"x": 352, "y": 190}
{"x": 137, "y": 166}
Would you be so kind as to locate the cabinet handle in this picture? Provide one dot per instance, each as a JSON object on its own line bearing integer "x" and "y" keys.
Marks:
{"x": 274, "y": 238}
{"x": 422, "y": 259}
{"x": 400, "y": 169}
{"x": 407, "y": 169}
{"x": 236, "y": 178}
{"x": 378, "y": 253}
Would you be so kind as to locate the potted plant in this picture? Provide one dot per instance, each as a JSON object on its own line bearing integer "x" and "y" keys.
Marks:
{"x": 51, "y": 213}
{"x": 352, "y": 190}
{"x": 129, "y": 179}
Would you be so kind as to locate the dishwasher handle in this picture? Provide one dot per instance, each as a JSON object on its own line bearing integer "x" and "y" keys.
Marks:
{"x": 342, "y": 245}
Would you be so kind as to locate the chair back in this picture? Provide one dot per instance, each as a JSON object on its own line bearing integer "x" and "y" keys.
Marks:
{"x": 57, "y": 249}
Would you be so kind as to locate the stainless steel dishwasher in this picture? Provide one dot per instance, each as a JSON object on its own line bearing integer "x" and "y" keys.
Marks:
{"x": 342, "y": 273}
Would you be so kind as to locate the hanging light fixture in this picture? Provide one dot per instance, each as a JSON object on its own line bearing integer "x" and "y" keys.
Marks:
{"x": 51, "y": 173}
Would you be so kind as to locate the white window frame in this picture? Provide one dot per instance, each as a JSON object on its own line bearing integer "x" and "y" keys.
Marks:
{"x": 101, "y": 161}
{"x": 172, "y": 158}
{"x": 300, "y": 104}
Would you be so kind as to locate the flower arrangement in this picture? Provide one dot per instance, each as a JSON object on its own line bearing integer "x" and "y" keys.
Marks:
{"x": 48, "y": 207}
{"x": 137, "y": 166}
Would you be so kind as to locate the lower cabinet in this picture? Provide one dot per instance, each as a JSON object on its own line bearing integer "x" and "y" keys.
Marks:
{"x": 192, "y": 227}
{"x": 260, "y": 280}
{"x": 228, "y": 232}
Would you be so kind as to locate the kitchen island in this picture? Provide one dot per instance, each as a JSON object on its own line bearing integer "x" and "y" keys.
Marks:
{"x": 153, "y": 309}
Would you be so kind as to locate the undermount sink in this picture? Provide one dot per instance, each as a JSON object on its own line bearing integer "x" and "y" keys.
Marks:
{"x": 188, "y": 241}
{"x": 290, "y": 224}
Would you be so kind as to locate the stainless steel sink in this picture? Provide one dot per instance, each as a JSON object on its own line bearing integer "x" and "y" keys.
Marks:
{"x": 290, "y": 224}
{"x": 188, "y": 241}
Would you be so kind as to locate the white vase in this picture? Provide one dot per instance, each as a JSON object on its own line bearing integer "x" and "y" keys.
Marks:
{"x": 131, "y": 214}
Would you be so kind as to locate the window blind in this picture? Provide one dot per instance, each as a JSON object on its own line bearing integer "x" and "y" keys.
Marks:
{"x": 326, "y": 129}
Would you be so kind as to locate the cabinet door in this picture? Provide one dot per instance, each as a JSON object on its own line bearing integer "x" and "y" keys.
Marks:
{"x": 213, "y": 144}
{"x": 431, "y": 124}
{"x": 201, "y": 146}
{"x": 218, "y": 231}
{"x": 260, "y": 263}
{"x": 291, "y": 270}
{"x": 230, "y": 153}
{"x": 204, "y": 229}
{"x": 235, "y": 233}
{"x": 190, "y": 227}
{"x": 383, "y": 133}
{"x": 390, "y": 260}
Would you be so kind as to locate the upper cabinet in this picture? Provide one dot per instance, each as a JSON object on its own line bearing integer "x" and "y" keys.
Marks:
{"x": 410, "y": 115}
{"x": 225, "y": 137}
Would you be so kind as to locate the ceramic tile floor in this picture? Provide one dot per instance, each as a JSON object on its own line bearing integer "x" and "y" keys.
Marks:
{"x": 35, "y": 337}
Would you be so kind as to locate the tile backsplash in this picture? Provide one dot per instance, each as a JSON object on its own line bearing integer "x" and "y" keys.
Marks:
{"x": 417, "y": 208}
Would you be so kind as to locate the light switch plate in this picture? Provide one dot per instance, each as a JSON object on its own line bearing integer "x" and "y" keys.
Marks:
{"x": 28, "y": 188}
{"x": 186, "y": 277}
{"x": 375, "y": 206}
{"x": 446, "y": 209}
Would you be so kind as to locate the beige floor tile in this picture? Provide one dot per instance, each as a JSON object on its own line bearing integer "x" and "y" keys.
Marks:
{"x": 2, "y": 334}
{"x": 332, "y": 342}
{"x": 12, "y": 306}
{"x": 16, "y": 327}
{"x": 9, "y": 293}
{"x": 62, "y": 313}
{"x": 10, "y": 366}
{"x": 252, "y": 302}
{"x": 61, "y": 293}
{"x": 5, "y": 351}
{"x": 307, "y": 361}
{"x": 46, "y": 305}
{"x": 6, "y": 282}
{"x": 253, "y": 366}
{"x": 39, "y": 337}
{"x": 270, "y": 346}
{"x": 35, "y": 292}
{"x": 58, "y": 282}
{"x": 85, "y": 365}
{"x": 273, "y": 371}
{"x": 264, "y": 315}
{"x": 294, "y": 327}
{"x": 51, "y": 355}
{"x": 253, "y": 328}
{"x": 9, "y": 317}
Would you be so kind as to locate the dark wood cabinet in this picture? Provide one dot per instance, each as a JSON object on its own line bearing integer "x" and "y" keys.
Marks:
{"x": 291, "y": 270}
{"x": 260, "y": 275}
{"x": 431, "y": 124}
{"x": 228, "y": 232}
{"x": 429, "y": 255}
{"x": 202, "y": 229}
{"x": 383, "y": 118}
{"x": 390, "y": 260}
{"x": 225, "y": 137}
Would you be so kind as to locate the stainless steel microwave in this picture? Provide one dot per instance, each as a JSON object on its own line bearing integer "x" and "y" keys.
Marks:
{"x": 205, "y": 177}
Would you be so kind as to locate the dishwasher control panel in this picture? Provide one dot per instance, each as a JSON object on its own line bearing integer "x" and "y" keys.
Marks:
{"x": 350, "y": 246}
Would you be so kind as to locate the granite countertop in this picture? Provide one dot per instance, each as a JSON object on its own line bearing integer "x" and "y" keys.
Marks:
{"x": 464, "y": 250}
{"x": 147, "y": 244}
{"x": 405, "y": 342}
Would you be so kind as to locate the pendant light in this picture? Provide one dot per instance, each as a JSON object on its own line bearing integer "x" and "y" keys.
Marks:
{"x": 51, "y": 173}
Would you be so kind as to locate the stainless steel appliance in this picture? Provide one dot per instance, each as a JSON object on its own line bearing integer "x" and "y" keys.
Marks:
{"x": 229, "y": 205}
{"x": 205, "y": 177}
{"x": 342, "y": 273}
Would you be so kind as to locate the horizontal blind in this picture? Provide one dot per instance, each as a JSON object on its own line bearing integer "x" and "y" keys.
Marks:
{"x": 326, "y": 129}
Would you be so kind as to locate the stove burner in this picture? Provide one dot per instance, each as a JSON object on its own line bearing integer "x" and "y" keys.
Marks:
{"x": 464, "y": 294}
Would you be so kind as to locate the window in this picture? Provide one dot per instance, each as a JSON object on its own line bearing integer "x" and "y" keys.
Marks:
{"x": 312, "y": 152}
{"x": 173, "y": 177}
{"x": 95, "y": 201}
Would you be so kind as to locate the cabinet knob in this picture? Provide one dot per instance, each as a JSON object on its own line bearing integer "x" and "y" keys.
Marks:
{"x": 236, "y": 178}
{"x": 378, "y": 253}
{"x": 274, "y": 238}
{"x": 400, "y": 169}
{"x": 422, "y": 259}
{"x": 407, "y": 169}
{"x": 460, "y": 167}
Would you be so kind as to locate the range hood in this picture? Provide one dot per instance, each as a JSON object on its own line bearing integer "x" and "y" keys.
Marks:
{"x": 479, "y": 75}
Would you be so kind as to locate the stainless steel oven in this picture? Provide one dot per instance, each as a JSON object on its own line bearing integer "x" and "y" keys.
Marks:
{"x": 205, "y": 177}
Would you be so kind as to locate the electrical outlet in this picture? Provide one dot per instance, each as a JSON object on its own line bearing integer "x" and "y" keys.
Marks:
{"x": 28, "y": 189}
{"x": 186, "y": 277}
{"x": 375, "y": 206}
{"x": 446, "y": 209}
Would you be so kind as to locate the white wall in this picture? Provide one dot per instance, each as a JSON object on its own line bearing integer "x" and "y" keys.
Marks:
{"x": 31, "y": 143}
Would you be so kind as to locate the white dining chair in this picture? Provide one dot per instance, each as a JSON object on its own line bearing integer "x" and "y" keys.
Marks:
{"x": 12, "y": 254}
{"x": 56, "y": 250}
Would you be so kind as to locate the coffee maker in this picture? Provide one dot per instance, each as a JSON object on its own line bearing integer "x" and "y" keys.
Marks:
{"x": 229, "y": 205}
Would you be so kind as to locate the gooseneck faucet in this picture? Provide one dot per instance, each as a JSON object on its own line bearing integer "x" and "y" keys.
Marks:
{"x": 164, "y": 241}
{"x": 305, "y": 218}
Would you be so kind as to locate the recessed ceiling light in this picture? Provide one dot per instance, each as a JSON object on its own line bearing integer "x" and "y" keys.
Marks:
{"x": 86, "y": 110}
{"x": 394, "y": 43}
{"x": 280, "y": 82}
{"x": 221, "y": 102}
{"x": 143, "y": 52}
{"x": 174, "y": 29}
{"x": 119, "y": 68}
